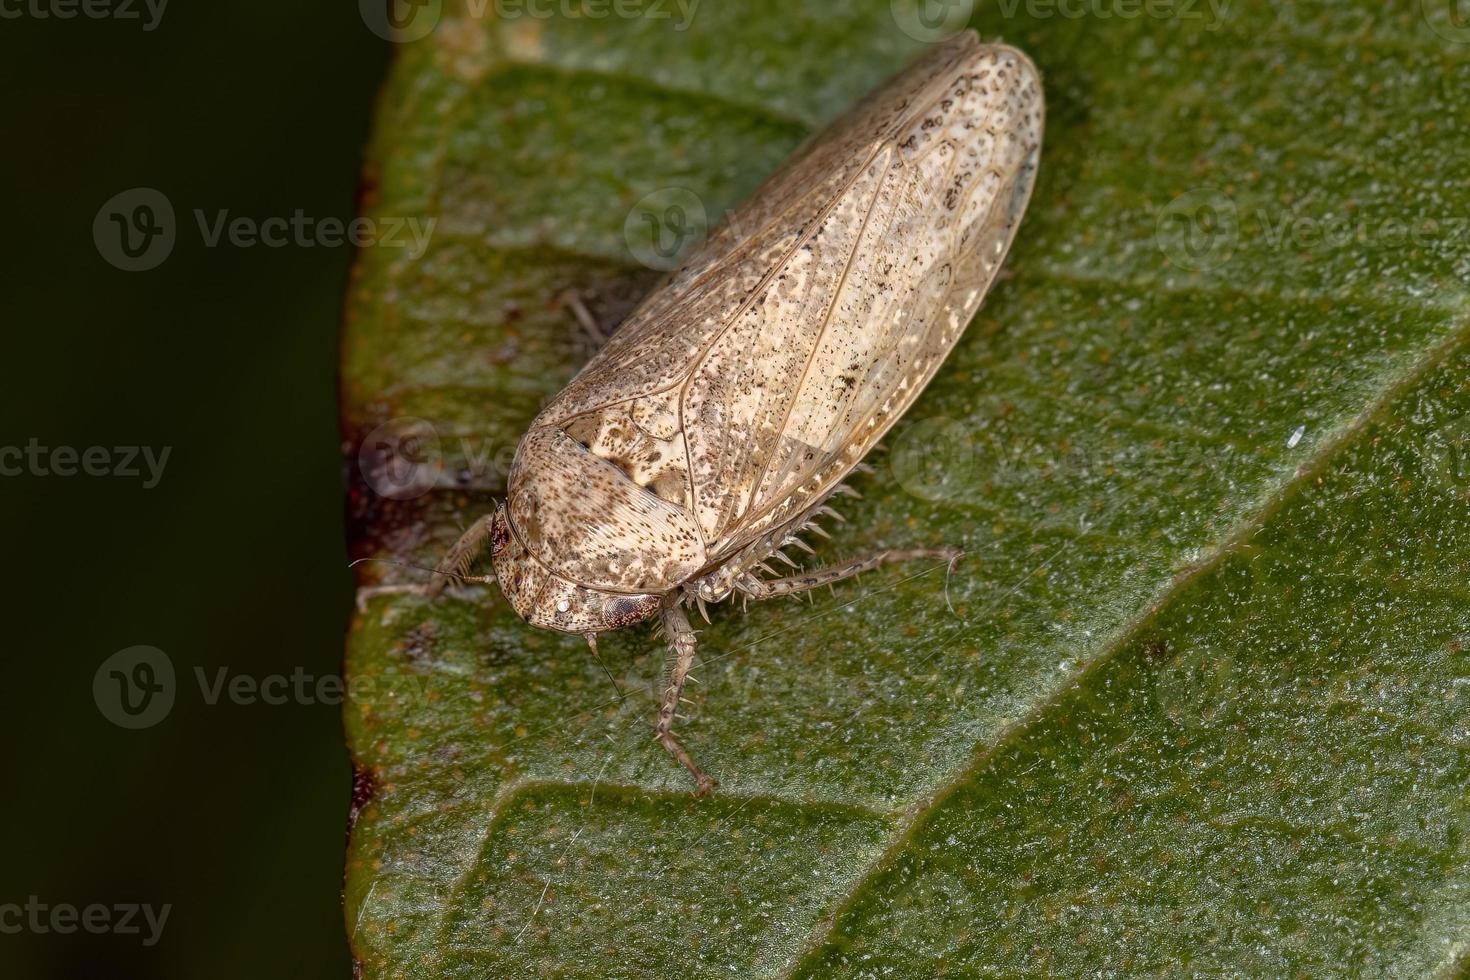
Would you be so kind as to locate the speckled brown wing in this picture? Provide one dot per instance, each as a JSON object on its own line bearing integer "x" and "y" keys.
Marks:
{"x": 744, "y": 389}
{"x": 652, "y": 350}
{"x": 944, "y": 211}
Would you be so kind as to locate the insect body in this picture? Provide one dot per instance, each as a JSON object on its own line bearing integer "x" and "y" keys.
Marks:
{"x": 712, "y": 427}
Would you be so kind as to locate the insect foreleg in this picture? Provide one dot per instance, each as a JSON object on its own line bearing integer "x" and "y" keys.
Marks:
{"x": 454, "y": 567}
{"x": 456, "y": 563}
{"x": 681, "y": 637}
{"x": 818, "y": 577}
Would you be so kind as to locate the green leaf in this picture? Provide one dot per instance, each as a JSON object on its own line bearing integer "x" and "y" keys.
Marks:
{"x": 1198, "y": 699}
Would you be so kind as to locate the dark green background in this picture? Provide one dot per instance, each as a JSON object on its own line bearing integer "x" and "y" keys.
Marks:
{"x": 234, "y": 815}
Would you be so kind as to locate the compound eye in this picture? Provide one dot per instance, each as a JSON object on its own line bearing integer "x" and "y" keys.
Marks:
{"x": 499, "y": 533}
{"x": 628, "y": 609}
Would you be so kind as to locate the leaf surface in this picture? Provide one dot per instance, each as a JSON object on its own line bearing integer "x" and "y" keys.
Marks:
{"x": 1199, "y": 695}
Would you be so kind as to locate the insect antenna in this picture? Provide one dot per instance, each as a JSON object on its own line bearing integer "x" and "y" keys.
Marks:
{"x": 446, "y": 572}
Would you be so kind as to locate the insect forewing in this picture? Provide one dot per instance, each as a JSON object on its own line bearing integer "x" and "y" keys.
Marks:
{"x": 762, "y": 372}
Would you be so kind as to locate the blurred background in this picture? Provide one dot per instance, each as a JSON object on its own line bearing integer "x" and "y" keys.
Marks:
{"x": 224, "y": 554}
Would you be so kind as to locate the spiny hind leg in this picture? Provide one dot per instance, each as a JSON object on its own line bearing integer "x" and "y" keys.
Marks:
{"x": 681, "y": 638}
{"x": 816, "y": 578}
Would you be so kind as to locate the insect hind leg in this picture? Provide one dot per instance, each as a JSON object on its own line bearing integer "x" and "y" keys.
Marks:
{"x": 816, "y": 578}
{"x": 682, "y": 638}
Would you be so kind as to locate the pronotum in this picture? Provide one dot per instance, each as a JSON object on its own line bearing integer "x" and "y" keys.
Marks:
{"x": 710, "y": 430}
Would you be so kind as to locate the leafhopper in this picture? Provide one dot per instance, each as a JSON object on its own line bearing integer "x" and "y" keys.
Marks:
{"x": 710, "y": 430}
